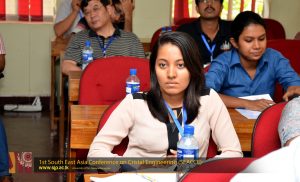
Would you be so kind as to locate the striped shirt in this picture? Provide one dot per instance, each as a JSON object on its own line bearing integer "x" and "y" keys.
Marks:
{"x": 121, "y": 44}
{"x": 2, "y": 48}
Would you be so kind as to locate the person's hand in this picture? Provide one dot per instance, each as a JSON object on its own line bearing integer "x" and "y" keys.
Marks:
{"x": 258, "y": 105}
{"x": 76, "y": 5}
{"x": 127, "y": 6}
{"x": 291, "y": 91}
{"x": 173, "y": 154}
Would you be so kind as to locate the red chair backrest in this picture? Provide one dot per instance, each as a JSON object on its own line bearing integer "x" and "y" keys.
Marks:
{"x": 217, "y": 170}
{"x": 121, "y": 148}
{"x": 265, "y": 137}
{"x": 103, "y": 81}
{"x": 212, "y": 149}
{"x": 291, "y": 50}
{"x": 274, "y": 29}
{"x": 158, "y": 32}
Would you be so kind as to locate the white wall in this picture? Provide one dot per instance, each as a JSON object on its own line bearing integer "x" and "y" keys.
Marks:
{"x": 149, "y": 15}
{"x": 27, "y": 71}
{"x": 287, "y": 13}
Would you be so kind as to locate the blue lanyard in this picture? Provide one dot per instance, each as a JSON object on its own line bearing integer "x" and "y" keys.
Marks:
{"x": 175, "y": 119}
{"x": 104, "y": 47}
{"x": 80, "y": 14}
{"x": 210, "y": 49}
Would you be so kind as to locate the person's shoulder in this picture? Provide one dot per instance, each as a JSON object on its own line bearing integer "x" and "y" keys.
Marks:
{"x": 225, "y": 57}
{"x": 139, "y": 96}
{"x": 205, "y": 91}
{"x": 128, "y": 35}
{"x": 293, "y": 104}
{"x": 84, "y": 34}
{"x": 271, "y": 54}
{"x": 211, "y": 98}
{"x": 225, "y": 22}
{"x": 188, "y": 26}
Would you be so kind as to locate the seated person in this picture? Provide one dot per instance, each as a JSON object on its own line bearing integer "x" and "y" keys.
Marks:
{"x": 250, "y": 68}
{"x": 67, "y": 17}
{"x": 106, "y": 39}
{"x": 282, "y": 164}
{"x": 4, "y": 159}
{"x": 209, "y": 31}
{"x": 177, "y": 83}
{"x": 122, "y": 16}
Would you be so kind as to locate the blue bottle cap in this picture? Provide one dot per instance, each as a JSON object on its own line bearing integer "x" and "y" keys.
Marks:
{"x": 87, "y": 43}
{"x": 188, "y": 129}
{"x": 133, "y": 71}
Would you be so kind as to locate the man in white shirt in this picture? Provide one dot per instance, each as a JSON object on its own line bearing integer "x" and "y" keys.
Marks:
{"x": 67, "y": 17}
{"x": 282, "y": 164}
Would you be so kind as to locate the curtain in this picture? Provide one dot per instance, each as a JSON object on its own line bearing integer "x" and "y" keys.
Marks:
{"x": 242, "y": 5}
{"x": 27, "y": 10}
{"x": 181, "y": 10}
{"x": 23, "y": 10}
{"x": 36, "y": 10}
{"x": 253, "y": 5}
{"x": 2, "y": 9}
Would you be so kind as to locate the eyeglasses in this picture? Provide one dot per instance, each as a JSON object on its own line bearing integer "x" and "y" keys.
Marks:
{"x": 94, "y": 9}
{"x": 207, "y": 1}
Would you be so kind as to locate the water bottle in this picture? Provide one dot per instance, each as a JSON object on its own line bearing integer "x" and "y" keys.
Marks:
{"x": 132, "y": 83}
{"x": 187, "y": 150}
{"x": 87, "y": 54}
{"x": 187, "y": 146}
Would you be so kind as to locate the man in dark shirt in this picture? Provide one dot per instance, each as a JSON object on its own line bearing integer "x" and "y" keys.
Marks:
{"x": 209, "y": 31}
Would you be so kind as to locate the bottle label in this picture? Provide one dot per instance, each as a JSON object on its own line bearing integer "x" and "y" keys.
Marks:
{"x": 187, "y": 153}
{"x": 132, "y": 87}
{"x": 87, "y": 56}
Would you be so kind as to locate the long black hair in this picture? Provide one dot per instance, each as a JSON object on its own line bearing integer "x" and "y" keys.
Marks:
{"x": 191, "y": 58}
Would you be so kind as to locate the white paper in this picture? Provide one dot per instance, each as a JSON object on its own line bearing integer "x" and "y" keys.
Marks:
{"x": 138, "y": 177}
{"x": 249, "y": 114}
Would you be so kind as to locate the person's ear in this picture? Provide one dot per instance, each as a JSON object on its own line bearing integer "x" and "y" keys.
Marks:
{"x": 233, "y": 43}
{"x": 110, "y": 9}
{"x": 197, "y": 9}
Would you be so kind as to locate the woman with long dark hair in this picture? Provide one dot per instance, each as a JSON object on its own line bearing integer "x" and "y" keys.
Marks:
{"x": 251, "y": 68}
{"x": 177, "y": 83}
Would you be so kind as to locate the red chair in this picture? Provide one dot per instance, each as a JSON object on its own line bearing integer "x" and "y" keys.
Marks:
{"x": 103, "y": 81}
{"x": 265, "y": 138}
{"x": 290, "y": 49}
{"x": 217, "y": 170}
{"x": 121, "y": 148}
{"x": 274, "y": 29}
{"x": 158, "y": 32}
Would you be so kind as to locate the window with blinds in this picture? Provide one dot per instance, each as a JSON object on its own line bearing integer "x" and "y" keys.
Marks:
{"x": 27, "y": 10}
{"x": 187, "y": 8}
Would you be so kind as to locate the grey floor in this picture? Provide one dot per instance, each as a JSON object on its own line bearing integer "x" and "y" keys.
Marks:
{"x": 30, "y": 132}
